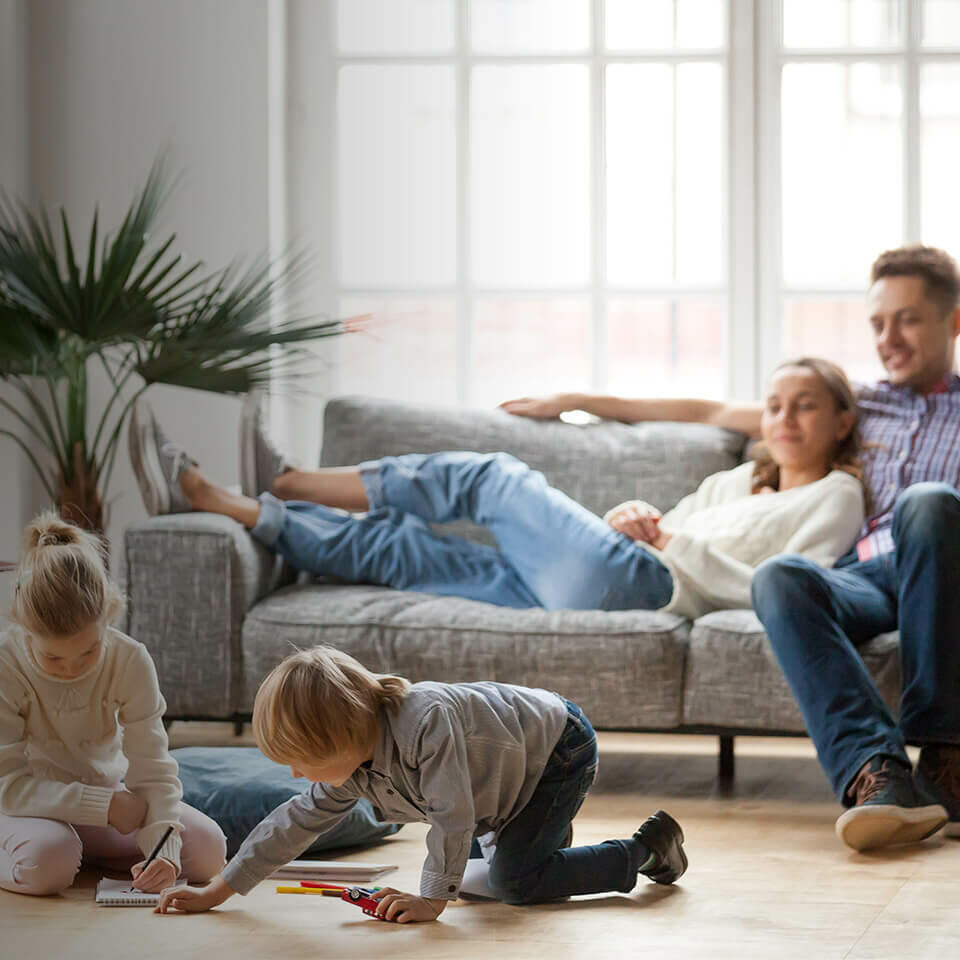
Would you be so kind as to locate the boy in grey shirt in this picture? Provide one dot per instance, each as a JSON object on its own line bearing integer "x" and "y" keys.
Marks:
{"x": 469, "y": 759}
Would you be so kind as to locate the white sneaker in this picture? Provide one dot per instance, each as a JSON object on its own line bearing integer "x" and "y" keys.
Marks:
{"x": 260, "y": 460}
{"x": 157, "y": 463}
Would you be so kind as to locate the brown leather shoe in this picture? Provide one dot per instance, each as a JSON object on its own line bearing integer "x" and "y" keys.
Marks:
{"x": 887, "y": 807}
{"x": 938, "y": 774}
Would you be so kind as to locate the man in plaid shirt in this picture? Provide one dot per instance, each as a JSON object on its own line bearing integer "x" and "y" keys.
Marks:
{"x": 903, "y": 572}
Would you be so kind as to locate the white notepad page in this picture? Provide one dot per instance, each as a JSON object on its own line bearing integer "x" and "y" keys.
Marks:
{"x": 119, "y": 893}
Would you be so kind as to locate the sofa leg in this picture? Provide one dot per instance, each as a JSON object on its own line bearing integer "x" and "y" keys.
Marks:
{"x": 725, "y": 759}
{"x": 238, "y": 727}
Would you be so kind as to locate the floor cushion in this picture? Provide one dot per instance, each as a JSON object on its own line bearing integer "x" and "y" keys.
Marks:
{"x": 238, "y": 786}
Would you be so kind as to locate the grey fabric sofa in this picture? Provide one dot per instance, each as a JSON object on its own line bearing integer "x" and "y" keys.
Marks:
{"x": 217, "y": 611}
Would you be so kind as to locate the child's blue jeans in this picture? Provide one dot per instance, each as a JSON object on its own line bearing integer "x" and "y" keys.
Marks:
{"x": 529, "y": 865}
{"x": 554, "y": 553}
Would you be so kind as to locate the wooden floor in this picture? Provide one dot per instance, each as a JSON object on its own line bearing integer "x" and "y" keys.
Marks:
{"x": 767, "y": 879}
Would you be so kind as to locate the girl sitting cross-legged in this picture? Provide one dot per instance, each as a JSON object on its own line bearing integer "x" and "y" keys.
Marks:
{"x": 85, "y": 775}
{"x": 800, "y": 495}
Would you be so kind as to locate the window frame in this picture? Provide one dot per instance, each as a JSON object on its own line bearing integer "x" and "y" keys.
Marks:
{"x": 598, "y": 291}
{"x": 753, "y": 57}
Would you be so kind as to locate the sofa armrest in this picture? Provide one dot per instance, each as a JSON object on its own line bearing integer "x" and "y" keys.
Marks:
{"x": 191, "y": 578}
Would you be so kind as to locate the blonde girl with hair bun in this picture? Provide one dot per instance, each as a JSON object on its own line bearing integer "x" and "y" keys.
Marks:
{"x": 85, "y": 775}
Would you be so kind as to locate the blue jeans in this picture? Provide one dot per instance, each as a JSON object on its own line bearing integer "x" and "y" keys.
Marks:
{"x": 817, "y": 618}
{"x": 529, "y": 865}
{"x": 553, "y": 553}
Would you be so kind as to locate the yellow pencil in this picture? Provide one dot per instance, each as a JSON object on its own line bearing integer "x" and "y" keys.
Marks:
{"x": 309, "y": 890}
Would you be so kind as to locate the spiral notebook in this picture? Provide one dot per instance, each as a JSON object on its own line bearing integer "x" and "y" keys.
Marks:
{"x": 119, "y": 893}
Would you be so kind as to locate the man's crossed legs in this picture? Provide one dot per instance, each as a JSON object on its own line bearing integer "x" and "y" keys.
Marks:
{"x": 817, "y": 618}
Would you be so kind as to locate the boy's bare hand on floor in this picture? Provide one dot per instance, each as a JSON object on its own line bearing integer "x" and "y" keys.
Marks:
{"x": 184, "y": 899}
{"x": 405, "y": 907}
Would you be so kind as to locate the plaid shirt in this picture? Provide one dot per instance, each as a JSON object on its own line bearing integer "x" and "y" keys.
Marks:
{"x": 909, "y": 438}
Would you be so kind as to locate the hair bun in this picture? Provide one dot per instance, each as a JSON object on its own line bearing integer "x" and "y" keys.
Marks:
{"x": 46, "y": 532}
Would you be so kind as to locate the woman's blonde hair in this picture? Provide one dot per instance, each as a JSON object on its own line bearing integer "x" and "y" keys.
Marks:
{"x": 846, "y": 456}
{"x": 62, "y": 582}
{"x": 318, "y": 703}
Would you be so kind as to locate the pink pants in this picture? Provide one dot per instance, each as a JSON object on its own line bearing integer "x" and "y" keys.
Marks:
{"x": 42, "y": 856}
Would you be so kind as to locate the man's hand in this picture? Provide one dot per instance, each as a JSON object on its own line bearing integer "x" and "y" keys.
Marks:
{"x": 405, "y": 907}
{"x": 127, "y": 811}
{"x": 638, "y": 523}
{"x": 194, "y": 899}
{"x": 158, "y": 876}
{"x": 540, "y": 408}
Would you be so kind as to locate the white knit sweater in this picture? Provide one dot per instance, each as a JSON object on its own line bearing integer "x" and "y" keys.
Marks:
{"x": 722, "y": 532}
{"x": 65, "y": 745}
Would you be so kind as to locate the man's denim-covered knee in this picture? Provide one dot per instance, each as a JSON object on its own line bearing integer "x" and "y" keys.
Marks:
{"x": 927, "y": 510}
{"x": 783, "y": 580}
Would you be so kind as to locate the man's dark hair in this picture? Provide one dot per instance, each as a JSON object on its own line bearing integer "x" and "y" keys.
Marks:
{"x": 937, "y": 267}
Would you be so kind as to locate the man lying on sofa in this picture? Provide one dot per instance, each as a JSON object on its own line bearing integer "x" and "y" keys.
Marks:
{"x": 901, "y": 574}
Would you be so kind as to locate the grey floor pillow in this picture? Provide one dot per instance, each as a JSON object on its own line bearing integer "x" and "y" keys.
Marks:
{"x": 238, "y": 786}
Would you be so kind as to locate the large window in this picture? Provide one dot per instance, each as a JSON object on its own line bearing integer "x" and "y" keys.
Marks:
{"x": 866, "y": 96}
{"x": 635, "y": 196}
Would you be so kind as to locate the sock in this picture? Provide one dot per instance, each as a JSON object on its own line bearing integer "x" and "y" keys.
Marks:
{"x": 646, "y": 858}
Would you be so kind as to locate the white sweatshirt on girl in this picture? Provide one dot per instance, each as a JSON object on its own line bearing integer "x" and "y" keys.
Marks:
{"x": 66, "y": 745}
{"x": 722, "y": 532}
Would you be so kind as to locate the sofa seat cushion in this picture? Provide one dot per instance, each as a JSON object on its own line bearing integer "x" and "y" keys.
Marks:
{"x": 732, "y": 678}
{"x": 624, "y": 669}
{"x": 238, "y": 786}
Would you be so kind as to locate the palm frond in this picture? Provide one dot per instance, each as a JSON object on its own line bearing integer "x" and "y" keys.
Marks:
{"x": 139, "y": 308}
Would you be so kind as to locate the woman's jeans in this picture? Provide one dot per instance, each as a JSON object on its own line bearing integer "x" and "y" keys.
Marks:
{"x": 816, "y": 619}
{"x": 529, "y": 865}
{"x": 553, "y": 553}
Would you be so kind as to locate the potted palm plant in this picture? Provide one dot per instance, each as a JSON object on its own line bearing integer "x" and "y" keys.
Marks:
{"x": 142, "y": 315}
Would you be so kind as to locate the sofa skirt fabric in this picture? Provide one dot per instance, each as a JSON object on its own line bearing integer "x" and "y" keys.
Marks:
{"x": 625, "y": 669}
{"x": 732, "y": 678}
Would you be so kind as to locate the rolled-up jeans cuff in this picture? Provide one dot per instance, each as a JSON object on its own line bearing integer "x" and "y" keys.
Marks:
{"x": 270, "y": 523}
{"x": 372, "y": 482}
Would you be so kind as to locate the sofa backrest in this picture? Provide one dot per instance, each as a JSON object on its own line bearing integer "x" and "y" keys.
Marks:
{"x": 598, "y": 464}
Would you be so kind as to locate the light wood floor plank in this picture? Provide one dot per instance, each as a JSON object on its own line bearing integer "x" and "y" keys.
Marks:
{"x": 768, "y": 879}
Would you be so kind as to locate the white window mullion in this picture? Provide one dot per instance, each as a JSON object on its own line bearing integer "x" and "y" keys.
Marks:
{"x": 768, "y": 240}
{"x": 598, "y": 174}
{"x": 741, "y": 212}
{"x": 911, "y": 123}
{"x": 464, "y": 282}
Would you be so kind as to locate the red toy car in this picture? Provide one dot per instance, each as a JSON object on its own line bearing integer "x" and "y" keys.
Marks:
{"x": 360, "y": 897}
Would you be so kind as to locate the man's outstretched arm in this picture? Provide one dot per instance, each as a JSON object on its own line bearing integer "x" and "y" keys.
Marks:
{"x": 744, "y": 417}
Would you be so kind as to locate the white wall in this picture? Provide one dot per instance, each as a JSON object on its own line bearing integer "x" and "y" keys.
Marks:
{"x": 15, "y": 477}
{"x": 111, "y": 83}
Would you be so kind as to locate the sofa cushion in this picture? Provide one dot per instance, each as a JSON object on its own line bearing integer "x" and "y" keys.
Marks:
{"x": 598, "y": 464}
{"x": 238, "y": 786}
{"x": 732, "y": 678}
{"x": 624, "y": 669}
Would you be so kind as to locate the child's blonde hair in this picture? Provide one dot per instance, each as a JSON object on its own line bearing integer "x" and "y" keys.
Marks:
{"x": 62, "y": 582}
{"x": 318, "y": 703}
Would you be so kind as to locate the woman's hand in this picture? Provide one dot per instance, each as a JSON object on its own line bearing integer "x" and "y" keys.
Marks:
{"x": 194, "y": 899}
{"x": 158, "y": 876}
{"x": 405, "y": 907}
{"x": 127, "y": 811}
{"x": 663, "y": 538}
{"x": 540, "y": 408}
{"x": 638, "y": 523}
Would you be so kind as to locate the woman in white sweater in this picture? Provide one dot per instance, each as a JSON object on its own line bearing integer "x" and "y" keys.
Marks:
{"x": 84, "y": 770}
{"x": 801, "y": 495}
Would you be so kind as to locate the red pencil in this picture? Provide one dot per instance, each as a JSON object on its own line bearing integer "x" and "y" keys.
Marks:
{"x": 322, "y": 886}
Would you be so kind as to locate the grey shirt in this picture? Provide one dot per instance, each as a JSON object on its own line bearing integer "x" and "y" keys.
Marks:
{"x": 465, "y": 758}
